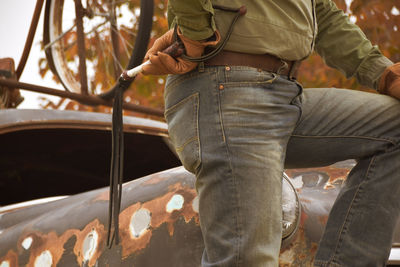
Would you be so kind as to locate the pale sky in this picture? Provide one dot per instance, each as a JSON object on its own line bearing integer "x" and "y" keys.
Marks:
{"x": 15, "y": 20}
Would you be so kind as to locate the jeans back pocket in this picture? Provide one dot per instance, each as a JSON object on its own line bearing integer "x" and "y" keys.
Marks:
{"x": 182, "y": 120}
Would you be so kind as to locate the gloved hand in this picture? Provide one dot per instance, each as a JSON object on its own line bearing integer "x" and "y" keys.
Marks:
{"x": 162, "y": 63}
{"x": 390, "y": 81}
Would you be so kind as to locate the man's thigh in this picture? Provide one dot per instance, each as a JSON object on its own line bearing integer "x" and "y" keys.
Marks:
{"x": 340, "y": 124}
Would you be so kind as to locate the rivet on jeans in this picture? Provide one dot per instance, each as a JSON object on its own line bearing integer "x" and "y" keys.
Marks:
{"x": 227, "y": 68}
{"x": 221, "y": 87}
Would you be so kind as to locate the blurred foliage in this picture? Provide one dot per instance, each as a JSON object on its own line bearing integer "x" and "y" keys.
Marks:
{"x": 102, "y": 74}
{"x": 378, "y": 19}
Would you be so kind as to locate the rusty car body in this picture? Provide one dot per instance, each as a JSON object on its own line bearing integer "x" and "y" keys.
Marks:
{"x": 54, "y": 197}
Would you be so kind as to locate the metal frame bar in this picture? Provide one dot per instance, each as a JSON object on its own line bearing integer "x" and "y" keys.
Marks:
{"x": 83, "y": 99}
{"x": 81, "y": 46}
{"x": 29, "y": 39}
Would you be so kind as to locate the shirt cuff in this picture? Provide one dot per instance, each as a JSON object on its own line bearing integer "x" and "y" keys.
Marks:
{"x": 371, "y": 69}
{"x": 196, "y": 28}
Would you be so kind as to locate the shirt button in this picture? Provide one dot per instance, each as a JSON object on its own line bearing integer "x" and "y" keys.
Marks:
{"x": 227, "y": 68}
{"x": 221, "y": 87}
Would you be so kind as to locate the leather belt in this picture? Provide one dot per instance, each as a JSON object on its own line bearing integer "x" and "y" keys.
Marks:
{"x": 264, "y": 62}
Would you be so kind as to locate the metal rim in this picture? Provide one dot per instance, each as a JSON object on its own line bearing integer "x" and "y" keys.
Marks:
{"x": 292, "y": 230}
{"x": 58, "y": 33}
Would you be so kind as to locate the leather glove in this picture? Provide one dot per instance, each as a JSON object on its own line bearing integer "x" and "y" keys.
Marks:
{"x": 390, "y": 81}
{"x": 162, "y": 63}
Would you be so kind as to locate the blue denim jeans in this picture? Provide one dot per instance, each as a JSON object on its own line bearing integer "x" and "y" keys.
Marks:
{"x": 236, "y": 128}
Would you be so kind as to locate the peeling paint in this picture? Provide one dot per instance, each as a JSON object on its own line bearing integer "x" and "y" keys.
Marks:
{"x": 93, "y": 232}
{"x": 130, "y": 245}
{"x": 45, "y": 259}
{"x": 334, "y": 176}
{"x": 11, "y": 258}
{"x": 140, "y": 222}
{"x": 332, "y": 182}
{"x": 159, "y": 215}
{"x": 146, "y": 218}
{"x": 50, "y": 242}
{"x": 26, "y": 244}
{"x": 176, "y": 203}
{"x": 195, "y": 204}
{"x": 46, "y": 249}
{"x": 89, "y": 245}
{"x": 155, "y": 179}
{"x": 297, "y": 182}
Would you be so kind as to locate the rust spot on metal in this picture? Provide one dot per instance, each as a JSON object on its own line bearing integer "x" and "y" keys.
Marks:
{"x": 105, "y": 195}
{"x": 175, "y": 203}
{"x": 335, "y": 180}
{"x": 300, "y": 252}
{"x": 50, "y": 242}
{"x": 129, "y": 242}
{"x": 329, "y": 186}
{"x": 94, "y": 227}
{"x": 314, "y": 247}
{"x": 305, "y": 200}
{"x": 323, "y": 219}
{"x": 159, "y": 215}
{"x": 50, "y": 247}
{"x": 155, "y": 179}
{"x": 336, "y": 175}
{"x": 11, "y": 258}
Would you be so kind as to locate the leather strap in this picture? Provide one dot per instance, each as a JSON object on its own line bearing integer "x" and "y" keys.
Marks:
{"x": 264, "y": 62}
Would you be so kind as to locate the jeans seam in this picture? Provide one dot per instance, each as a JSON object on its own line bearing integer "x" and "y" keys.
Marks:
{"x": 234, "y": 182}
{"x": 180, "y": 78}
{"x": 180, "y": 103}
{"x": 346, "y": 136}
{"x": 196, "y": 118}
{"x": 349, "y": 215}
{"x": 297, "y": 101}
{"x": 221, "y": 121}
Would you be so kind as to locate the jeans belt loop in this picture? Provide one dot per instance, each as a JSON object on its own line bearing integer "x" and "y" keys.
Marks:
{"x": 293, "y": 71}
{"x": 200, "y": 67}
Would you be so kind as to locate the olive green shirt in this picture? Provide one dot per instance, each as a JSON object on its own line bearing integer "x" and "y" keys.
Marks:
{"x": 288, "y": 29}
